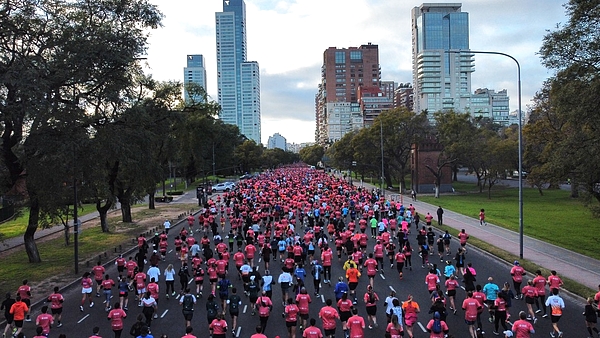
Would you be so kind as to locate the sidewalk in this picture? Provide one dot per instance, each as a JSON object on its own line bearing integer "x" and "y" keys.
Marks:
{"x": 575, "y": 266}
{"x": 10, "y": 243}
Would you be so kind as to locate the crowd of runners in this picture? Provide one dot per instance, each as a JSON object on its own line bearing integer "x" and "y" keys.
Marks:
{"x": 286, "y": 229}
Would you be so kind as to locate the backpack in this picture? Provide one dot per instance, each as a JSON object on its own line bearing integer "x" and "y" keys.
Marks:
{"x": 211, "y": 309}
{"x": 234, "y": 302}
{"x": 224, "y": 286}
{"x": 188, "y": 303}
{"x": 437, "y": 326}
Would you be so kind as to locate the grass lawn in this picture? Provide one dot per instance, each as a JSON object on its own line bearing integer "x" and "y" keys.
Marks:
{"x": 553, "y": 217}
{"x": 17, "y": 226}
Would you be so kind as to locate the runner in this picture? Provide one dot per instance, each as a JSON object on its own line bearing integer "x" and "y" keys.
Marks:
{"x": 557, "y": 305}
{"x": 482, "y": 217}
{"x": 590, "y": 317}
{"x": 107, "y": 285}
{"x": 539, "y": 282}
{"x": 329, "y": 316}
{"x": 98, "y": 272}
{"x": 18, "y": 311}
{"x": 522, "y": 328}
{"x": 56, "y": 306}
{"x": 290, "y": 313}
{"x": 265, "y": 306}
{"x": 116, "y": 317}
{"x": 371, "y": 300}
{"x": 86, "y": 290}
{"x": 436, "y": 327}
{"x": 471, "y": 307}
{"x": 45, "y": 321}
{"x": 218, "y": 327}
{"x": 411, "y": 310}
{"x": 6, "y": 305}
{"x": 517, "y": 273}
{"x": 356, "y": 325}
{"x": 187, "y": 302}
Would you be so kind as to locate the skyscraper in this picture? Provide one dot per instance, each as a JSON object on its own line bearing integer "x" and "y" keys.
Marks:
{"x": 442, "y": 81}
{"x": 195, "y": 72}
{"x": 238, "y": 80}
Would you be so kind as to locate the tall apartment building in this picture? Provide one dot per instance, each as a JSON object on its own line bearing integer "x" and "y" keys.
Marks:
{"x": 372, "y": 101}
{"x": 492, "y": 105}
{"x": 194, "y": 72}
{"x": 277, "y": 141}
{"x": 238, "y": 80}
{"x": 344, "y": 70}
{"x": 441, "y": 80}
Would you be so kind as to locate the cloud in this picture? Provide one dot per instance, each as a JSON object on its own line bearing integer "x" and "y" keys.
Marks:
{"x": 288, "y": 38}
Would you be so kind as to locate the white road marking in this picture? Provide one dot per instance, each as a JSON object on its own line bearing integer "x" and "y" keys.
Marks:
{"x": 462, "y": 287}
{"x": 245, "y": 308}
{"x": 164, "y": 313}
{"x": 190, "y": 282}
{"x": 422, "y": 327}
{"x": 382, "y": 276}
{"x": 392, "y": 288}
{"x": 323, "y": 298}
{"x": 170, "y": 250}
{"x": 238, "y": 331}
{"x": 259, "y": 259}
{"x": 82, "y": 319}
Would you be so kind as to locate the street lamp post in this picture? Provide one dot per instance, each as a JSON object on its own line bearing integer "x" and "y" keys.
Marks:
{"x": 519, "y": 116}
{"x": 381, "y": 144}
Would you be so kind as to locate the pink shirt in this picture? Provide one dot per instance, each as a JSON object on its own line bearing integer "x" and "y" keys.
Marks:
{"x": 522, "y": 328}
{"x": 470, "y": 305}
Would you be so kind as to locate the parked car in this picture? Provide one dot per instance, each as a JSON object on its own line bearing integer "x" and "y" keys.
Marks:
{"x": 225, "y": 186}
{"x": 246, "y": 176}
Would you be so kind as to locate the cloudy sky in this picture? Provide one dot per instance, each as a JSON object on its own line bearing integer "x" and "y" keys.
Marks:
{"x": 288, "y": 38}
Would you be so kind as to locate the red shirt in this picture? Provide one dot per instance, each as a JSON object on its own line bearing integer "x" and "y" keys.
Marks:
{"x": 539, "y": 282}
{"x": 291, "y": 312}
{"x": 329, "y": 315}
{"x": 326, "y": 257}
{"x": 303, "y": 300}
{"x": 344, "y": 305}
{"x": 431, "y": 280}
{"x": 44, "y": 320}
{"x": 371, "y": 265}
{"x": 107, "y": 284}
{"x": 239, "y": 257}
{"x": 356, "y": 324}
{"x": 56, "y": 300}
{"x": 451, "y": 284}
{"x": 522, "y": 328}
{"x": 250, "y": 250}
{"x": 218, "y": 326}
{"x": 98, "y": 271}
{"x": 437, "y": 335}
{"x": 471, "y": 306}
{"x": 517, "y": 273}
{"x": 312, "y": 332}
{"x": 116, "y": 318}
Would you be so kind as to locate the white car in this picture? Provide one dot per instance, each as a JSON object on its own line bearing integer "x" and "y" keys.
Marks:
{"x": 225, "y": 186}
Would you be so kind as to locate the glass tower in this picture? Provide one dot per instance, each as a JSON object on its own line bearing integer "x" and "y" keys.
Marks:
{"x": 195, "y": 72}
{"x": 442, "y": 81}
{"x": 237, "y": 105}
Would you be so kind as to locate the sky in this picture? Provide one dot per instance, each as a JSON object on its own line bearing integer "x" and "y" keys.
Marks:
{"x": 288, "y": 37}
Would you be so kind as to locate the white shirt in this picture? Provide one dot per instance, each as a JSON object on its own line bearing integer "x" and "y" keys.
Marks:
{"x": 167, "y": 224}
{"x": 285, "y": 278}
{"x": 153, "y": 272}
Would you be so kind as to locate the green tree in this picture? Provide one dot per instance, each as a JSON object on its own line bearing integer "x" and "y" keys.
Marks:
{"x": 312, "y": 154}
{"x": 58, "y": 60}
{"x": 570, "y": 111}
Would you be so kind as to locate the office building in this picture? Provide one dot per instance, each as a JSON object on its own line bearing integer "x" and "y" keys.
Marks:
{"x": 194, "y": 72}
{"x": 238, "y": 80}
{"x": 441, "y": 80}
{"x": 277, "y": 141}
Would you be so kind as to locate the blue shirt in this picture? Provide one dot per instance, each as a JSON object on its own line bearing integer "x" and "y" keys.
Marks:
{"x": 491, "y": 291}
{"x": 340, "y": 289}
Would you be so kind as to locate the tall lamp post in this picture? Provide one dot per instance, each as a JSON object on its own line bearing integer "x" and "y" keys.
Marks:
{"x": 519, "y": 116}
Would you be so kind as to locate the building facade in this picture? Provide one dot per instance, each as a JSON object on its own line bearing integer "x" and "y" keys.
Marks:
{"x": 194, "y": 72}
{"x": 342, "y": 118}
{"x": 238, "y": 80}
{"x": 492, "y": 105}
{"x": 277, "y": 141}
{"x": 372, "y": 101}
{"x": 344, "y": 71}
{"x": 441, "y": 80}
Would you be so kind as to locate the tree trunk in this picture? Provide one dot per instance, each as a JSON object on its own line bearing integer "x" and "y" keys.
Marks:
{"x": 454, "y": 173}
{"x": 151, "y": 204}
{"x": 437, "y": 190}
{"x": 103, "y": 212}
{"x": 126, "y": 211}
{"x": 66, "y": 233}
{"x": 574, "y": 189}
{"x": 30, "y": 247}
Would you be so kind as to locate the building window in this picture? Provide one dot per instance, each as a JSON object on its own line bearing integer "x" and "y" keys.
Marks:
{"x": 356, "y": 55}
{"x": 340, "y": 57}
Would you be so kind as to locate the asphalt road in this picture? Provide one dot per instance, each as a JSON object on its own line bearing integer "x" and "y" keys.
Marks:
{"x": 171, "y": 321}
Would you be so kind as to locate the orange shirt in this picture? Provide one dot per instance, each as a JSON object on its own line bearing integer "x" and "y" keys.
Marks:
{"x": 352, "y": 274}
{"x": 18, "y": 310}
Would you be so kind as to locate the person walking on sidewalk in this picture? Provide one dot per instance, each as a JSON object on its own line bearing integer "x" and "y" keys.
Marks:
{"x": 557, "y": 305}
{"x": 440, "y": 214}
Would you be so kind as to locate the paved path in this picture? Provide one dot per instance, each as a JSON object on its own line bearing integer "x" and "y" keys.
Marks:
{"x": 575, "y": 266}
